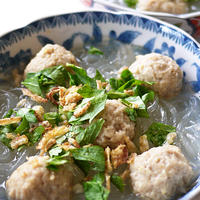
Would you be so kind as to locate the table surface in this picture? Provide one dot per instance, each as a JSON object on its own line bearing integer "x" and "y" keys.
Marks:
{"x": 16, "y": 14}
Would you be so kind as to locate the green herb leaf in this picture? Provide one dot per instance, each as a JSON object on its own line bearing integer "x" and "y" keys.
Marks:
{"x": 55, "y": 151}
{"x": 74, "y": 80}
{"x": 89, "y": 134}
{"x": 23, "y": 127}
{"x": 118, "y": 182}
{"x": 28, "y": 113}
{"x": 148, "y": 97}
{"x": 52, "y": 117}
{"x": 87, "y": 91}
{"x": 191, "y": 1}
{"x": 4, "y": 130}
{"x": 115, "y": 83}
{"x": 57, "y": 74}
{"x": 131, "y": 112}
{"x": 36, "y": 135}
{"x": 126, "y": 76}
{"x": 94, "y": 189}
{"x": 131, "y": 3}
{"x": 62, "y": 138}
{"x": 94, "y": 50}
{"x": 32, "y": 84}
{"x": 158, "y": 132}
{"x": 82, "y": 76}
{"x": 97, "y": 105}
{"x": 116, "y": 95}
{"x": 54, "y": 162}
{"x": 41, "y": 82}
{"x": 126, "y": 81}
{"x": 94, "y": 155}
{"x": 139, "y": 106}
{"x": 99, "y": 76}
{"x": 9, "y": 113}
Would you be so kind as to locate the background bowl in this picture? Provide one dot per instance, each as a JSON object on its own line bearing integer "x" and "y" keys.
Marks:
{"x": 188, "y": 21}
{"x": 75, "y": 29}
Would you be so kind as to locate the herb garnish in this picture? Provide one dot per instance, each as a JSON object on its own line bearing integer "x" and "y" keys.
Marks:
{"x": 94, "y": 50}
{"x": 158, "y": 132}
{"x": 94, "y": 189}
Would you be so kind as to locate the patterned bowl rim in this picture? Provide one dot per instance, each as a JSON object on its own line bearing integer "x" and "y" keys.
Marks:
{"x": 154, "y": 14}
{"x": 196, "y": 190}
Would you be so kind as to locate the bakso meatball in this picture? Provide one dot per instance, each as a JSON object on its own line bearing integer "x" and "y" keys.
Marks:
{"x": 117, "y": 125}
{"x": 50, "y": 55}
{"x": 162, "y": 70}
{"x": 167, "y": 6}
{"x": 160, "y": 173}
{"x": 33, "y": 181}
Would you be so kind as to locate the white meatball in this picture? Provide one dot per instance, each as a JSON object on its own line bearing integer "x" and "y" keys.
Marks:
{"x": 117, "y": 125}
{"x": 167, "y": 6}
{"x": 162, "y": 70}
{"x": 160, "y": 173}
{"x": 33, "y": 181}
{"x": 50, "y": 55}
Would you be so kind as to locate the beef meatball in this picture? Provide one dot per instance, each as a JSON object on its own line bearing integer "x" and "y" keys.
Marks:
{"x": 160, "y": 173}
{"x": 117, "y": 125}
{"x": 167, "y": 6}
{"x": 162, "y": 70}
{"x": 50, "y": 55}
{"x": 33, "y": 181}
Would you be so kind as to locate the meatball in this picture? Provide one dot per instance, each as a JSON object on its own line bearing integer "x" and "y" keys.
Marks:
{"x": 50, "y": 55}
{"x": 167, "y": 6}
{"x": 33, "y": 181}
{"x": 162, "y": 70}
{"x": 160, "y": 173}
{"x": 117, "y": 125}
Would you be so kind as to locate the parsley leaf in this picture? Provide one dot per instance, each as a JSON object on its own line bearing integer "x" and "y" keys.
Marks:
{"x": 158, "y": 132}
{"x": 94, "y": 189}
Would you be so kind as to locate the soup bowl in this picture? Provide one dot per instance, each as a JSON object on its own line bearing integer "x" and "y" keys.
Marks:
{"x": 188, "y": 21}
{"x": 73, "y": 30}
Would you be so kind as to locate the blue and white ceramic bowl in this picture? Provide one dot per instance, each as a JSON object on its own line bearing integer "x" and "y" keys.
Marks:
{"x": 188, "y": 21}
{"x": 70, "y": 30}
